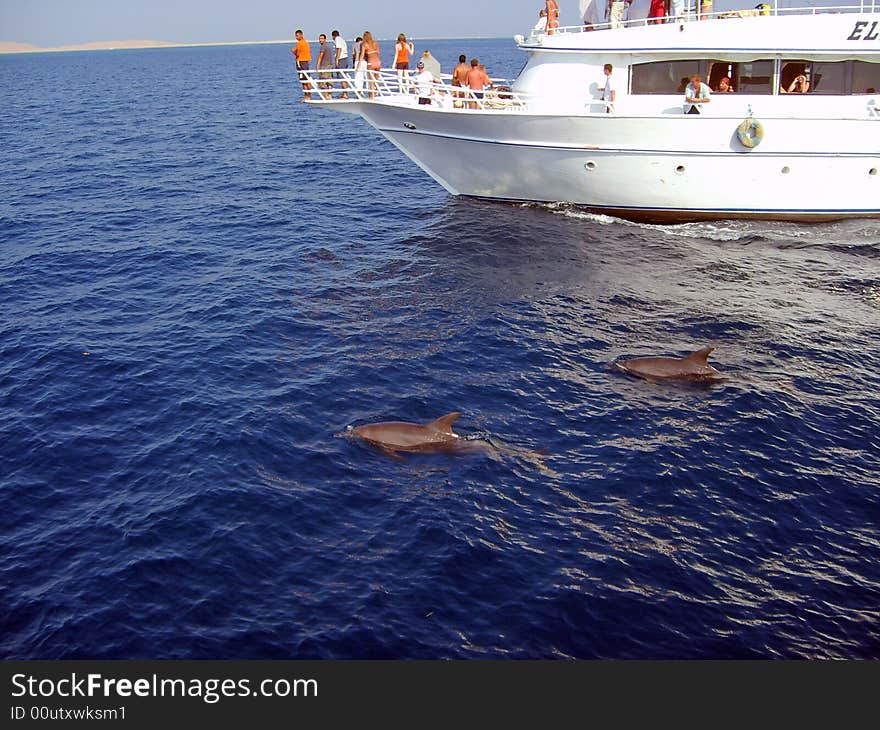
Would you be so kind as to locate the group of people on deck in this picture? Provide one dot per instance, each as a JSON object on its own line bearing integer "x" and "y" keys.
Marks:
{"x": 616, "y": 13}
{"x": 365, "y": 60}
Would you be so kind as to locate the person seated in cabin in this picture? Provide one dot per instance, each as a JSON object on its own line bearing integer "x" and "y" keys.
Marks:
{"x": 696, "y": 94}
{"x": 799, "y": 85}
{"x": 724, "y": 86}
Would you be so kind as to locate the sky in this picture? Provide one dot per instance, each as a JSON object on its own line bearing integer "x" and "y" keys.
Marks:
{"x": 49, "y": 23}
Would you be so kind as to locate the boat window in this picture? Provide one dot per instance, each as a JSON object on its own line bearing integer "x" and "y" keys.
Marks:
{"x": 828, "y": 78}
{"x": 664, "y": 77}
{"x": 866, "y": 77}
{"x": 755, "y": 77}
{"x": 671, "y": 77}
{"x": 719, "y": 70}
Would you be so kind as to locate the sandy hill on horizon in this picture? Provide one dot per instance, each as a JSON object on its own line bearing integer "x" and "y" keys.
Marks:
{"x": 14, "y": 47}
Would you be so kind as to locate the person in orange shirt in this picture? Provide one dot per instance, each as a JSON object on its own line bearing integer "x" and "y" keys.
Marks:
{"x": 402, "y": 51}
{"x": 302, "y": 52}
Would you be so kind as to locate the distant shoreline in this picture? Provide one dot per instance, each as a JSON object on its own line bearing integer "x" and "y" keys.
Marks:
{"x": 8, "y": 48}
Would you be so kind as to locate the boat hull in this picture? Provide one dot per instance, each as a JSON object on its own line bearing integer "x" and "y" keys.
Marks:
{"x": 667, "y": 169}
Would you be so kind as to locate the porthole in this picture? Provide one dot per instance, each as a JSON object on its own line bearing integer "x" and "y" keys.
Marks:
{"x": 590, "y": 166}
{"x": 409, "y": 126}
{"x": 786, "y": 170}
{"x": 680, "y": 170}
{"x": 872, "y": 171}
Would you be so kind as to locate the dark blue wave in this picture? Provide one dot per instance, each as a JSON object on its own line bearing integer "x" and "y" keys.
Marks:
{"x": 202, "y": 281}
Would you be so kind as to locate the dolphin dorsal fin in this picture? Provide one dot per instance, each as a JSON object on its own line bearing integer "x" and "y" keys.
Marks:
{"x": 444, "y": 423}
{"x": 701, "y": 356}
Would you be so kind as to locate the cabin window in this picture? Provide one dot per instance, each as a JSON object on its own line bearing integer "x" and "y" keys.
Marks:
{"x": 664, "y": 77}
{"x": 754, "y": 77}
{"x": 824, "y": 77}
{"x": 719, "y": 70}
{"x": 829, "y": 78}
{"x": 866, "y": 77}
{"x": 671, "y": 77}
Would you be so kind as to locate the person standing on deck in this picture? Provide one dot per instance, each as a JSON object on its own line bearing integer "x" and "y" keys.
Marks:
{"x": 341, "y": 58}
{"x": 552, "y": 16}
{"x": 617, "y": 13}
{"x": 360, "y": 65}
{"x": 541, "y": 25}
{"x": 459, "y": 78}
{"x": 609, "y": 95}
{"x": 477, "y": 80}
{"x": 424, "y": 84}
{"x": 658, "y": 11}
{"x": 403, "y": 49}
{"x": 325, "y": 64}
{"x": 302, "y": 52}
{"x": 374, "y": 61}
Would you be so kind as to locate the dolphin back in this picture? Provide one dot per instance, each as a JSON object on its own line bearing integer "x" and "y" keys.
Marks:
{"x": 700, "y": 356}
{"x": 444, "y": 423}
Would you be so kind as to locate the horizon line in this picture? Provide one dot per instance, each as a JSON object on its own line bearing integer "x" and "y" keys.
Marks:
{"x": 140, "y": 45}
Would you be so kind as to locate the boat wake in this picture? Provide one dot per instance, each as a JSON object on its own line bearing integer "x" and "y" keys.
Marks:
{"x": 858, "y": 232}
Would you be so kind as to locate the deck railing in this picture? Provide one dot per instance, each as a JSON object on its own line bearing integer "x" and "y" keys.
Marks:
{"x": 389, "y": 86}
{"x": 694, "y": 13}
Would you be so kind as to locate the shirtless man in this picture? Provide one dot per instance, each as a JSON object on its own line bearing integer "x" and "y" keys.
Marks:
{"x": 459, "y": 76}
{"x": 477, "y": 80}
{"x": 552, "y": 16}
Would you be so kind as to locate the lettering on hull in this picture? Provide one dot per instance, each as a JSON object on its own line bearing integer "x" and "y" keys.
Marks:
{"x": 865, "y": 30}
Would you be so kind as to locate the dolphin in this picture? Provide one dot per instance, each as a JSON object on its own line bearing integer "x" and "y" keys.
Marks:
{"x": 692, "y": 367}
{"x": 392, "y": 437}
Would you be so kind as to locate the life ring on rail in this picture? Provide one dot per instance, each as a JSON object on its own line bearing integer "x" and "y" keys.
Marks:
{"x": 750, "y": 132}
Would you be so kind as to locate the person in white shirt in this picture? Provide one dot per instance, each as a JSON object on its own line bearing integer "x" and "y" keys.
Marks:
{"x": 424, "y": 83}
{"x": 341, "y": 59}
{"x": 609, "y": 95}
{"x": 695, "y": 95}
{"x": 541, "y": 25}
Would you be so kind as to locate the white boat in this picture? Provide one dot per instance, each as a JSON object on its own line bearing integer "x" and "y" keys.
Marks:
{"x": 759, "y": 152}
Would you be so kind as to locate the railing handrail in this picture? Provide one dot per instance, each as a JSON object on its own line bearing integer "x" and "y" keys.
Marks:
{"x": 389, "y": 85}
{"x": 693, "y": 13}
{"x": 396, "y": 90}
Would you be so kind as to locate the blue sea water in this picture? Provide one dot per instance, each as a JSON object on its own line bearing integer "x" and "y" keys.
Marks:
{"x": 202, "y": 281}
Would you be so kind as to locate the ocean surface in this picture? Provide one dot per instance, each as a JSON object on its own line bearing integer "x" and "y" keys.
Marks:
{"x": 203, "y": 281}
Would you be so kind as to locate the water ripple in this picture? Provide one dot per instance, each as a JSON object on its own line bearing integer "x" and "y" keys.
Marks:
{"x": 202, "y": 282}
